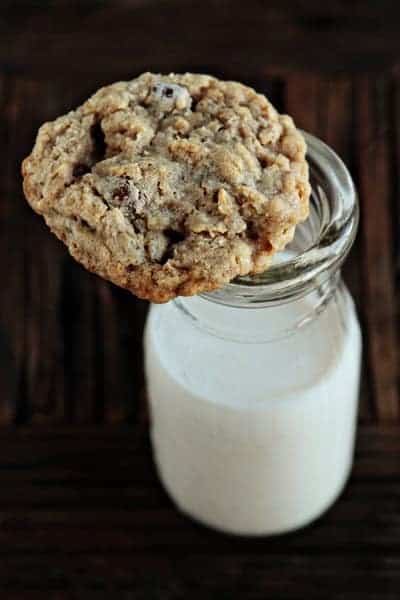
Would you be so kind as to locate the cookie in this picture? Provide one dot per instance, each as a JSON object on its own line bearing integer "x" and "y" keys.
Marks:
{"x": 171, "y": 185}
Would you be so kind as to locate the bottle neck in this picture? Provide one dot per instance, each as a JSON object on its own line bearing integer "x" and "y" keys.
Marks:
{"x": 320, "y": 245}
{"x": 258, "y": 324}
{"x": 304, "y": 278}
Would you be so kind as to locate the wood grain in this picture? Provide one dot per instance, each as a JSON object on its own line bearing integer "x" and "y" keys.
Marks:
{"x": 127, "y": 37}
{"x": 302, "y": 100}
{"x": 13, "y": 269}
{"x": 376, "y": 190}
{"x": 395, "y": 121}
{"x": 95, "y": 494}
{"x": 323, "y": 105}
{"x": 336, "y": 118}
{"x": 8, "y": 377}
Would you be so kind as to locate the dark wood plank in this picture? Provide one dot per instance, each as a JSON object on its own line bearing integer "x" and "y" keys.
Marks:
{"x": 64, "y": 38}
{"x": 41, "y": 398}
{"x": 302, "y": 100}
{"x": 375, "y": 180}
{"x": 323, "y": 106}
{"x": 13, "y": 312}
{"x": 46, "y": 385}
{"x": 335, "y": 114}
{"x": 129, "y": 404}
{"x": 8, "y": 370}
{"x": 396, "y": 196}
{"x": 80, "y": 333}
{"x": 233, "y": 577}
{"x": 74, "y": 502}
{"x": 111, "y": 408}
{"x": 56, "y": 483}
{"x": 335, "y": 127}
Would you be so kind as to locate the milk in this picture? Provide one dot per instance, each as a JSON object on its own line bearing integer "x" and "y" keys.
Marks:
{"x": 253, "y": 410}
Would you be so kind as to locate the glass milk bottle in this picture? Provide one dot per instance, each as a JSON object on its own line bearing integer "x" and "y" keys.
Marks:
{"x": 253, "y": 388}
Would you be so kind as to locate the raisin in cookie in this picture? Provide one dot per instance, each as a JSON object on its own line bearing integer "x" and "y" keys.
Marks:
{"x": 171, "y": 185}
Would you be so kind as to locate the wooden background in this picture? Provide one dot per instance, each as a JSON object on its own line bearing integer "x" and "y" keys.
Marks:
{"x": 82, "y": 514}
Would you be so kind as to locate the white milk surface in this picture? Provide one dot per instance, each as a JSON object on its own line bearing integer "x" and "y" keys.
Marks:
{"x": 253, "y": 438}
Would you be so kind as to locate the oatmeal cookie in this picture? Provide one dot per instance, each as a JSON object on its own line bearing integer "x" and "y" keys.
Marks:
{"x": 171, "y": 185}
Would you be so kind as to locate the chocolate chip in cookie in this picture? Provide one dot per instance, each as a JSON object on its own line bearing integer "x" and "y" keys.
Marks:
{"x": 121, "y": 193}
{"x": 79, "y": 170}
{"x": 175, "y": 96}
{"x": 99, "y": 142}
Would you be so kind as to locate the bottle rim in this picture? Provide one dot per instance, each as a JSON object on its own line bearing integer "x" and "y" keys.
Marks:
{"x": 334, "y": 212}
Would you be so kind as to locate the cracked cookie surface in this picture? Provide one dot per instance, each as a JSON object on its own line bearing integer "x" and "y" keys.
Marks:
{"x": 171, "y": 185}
